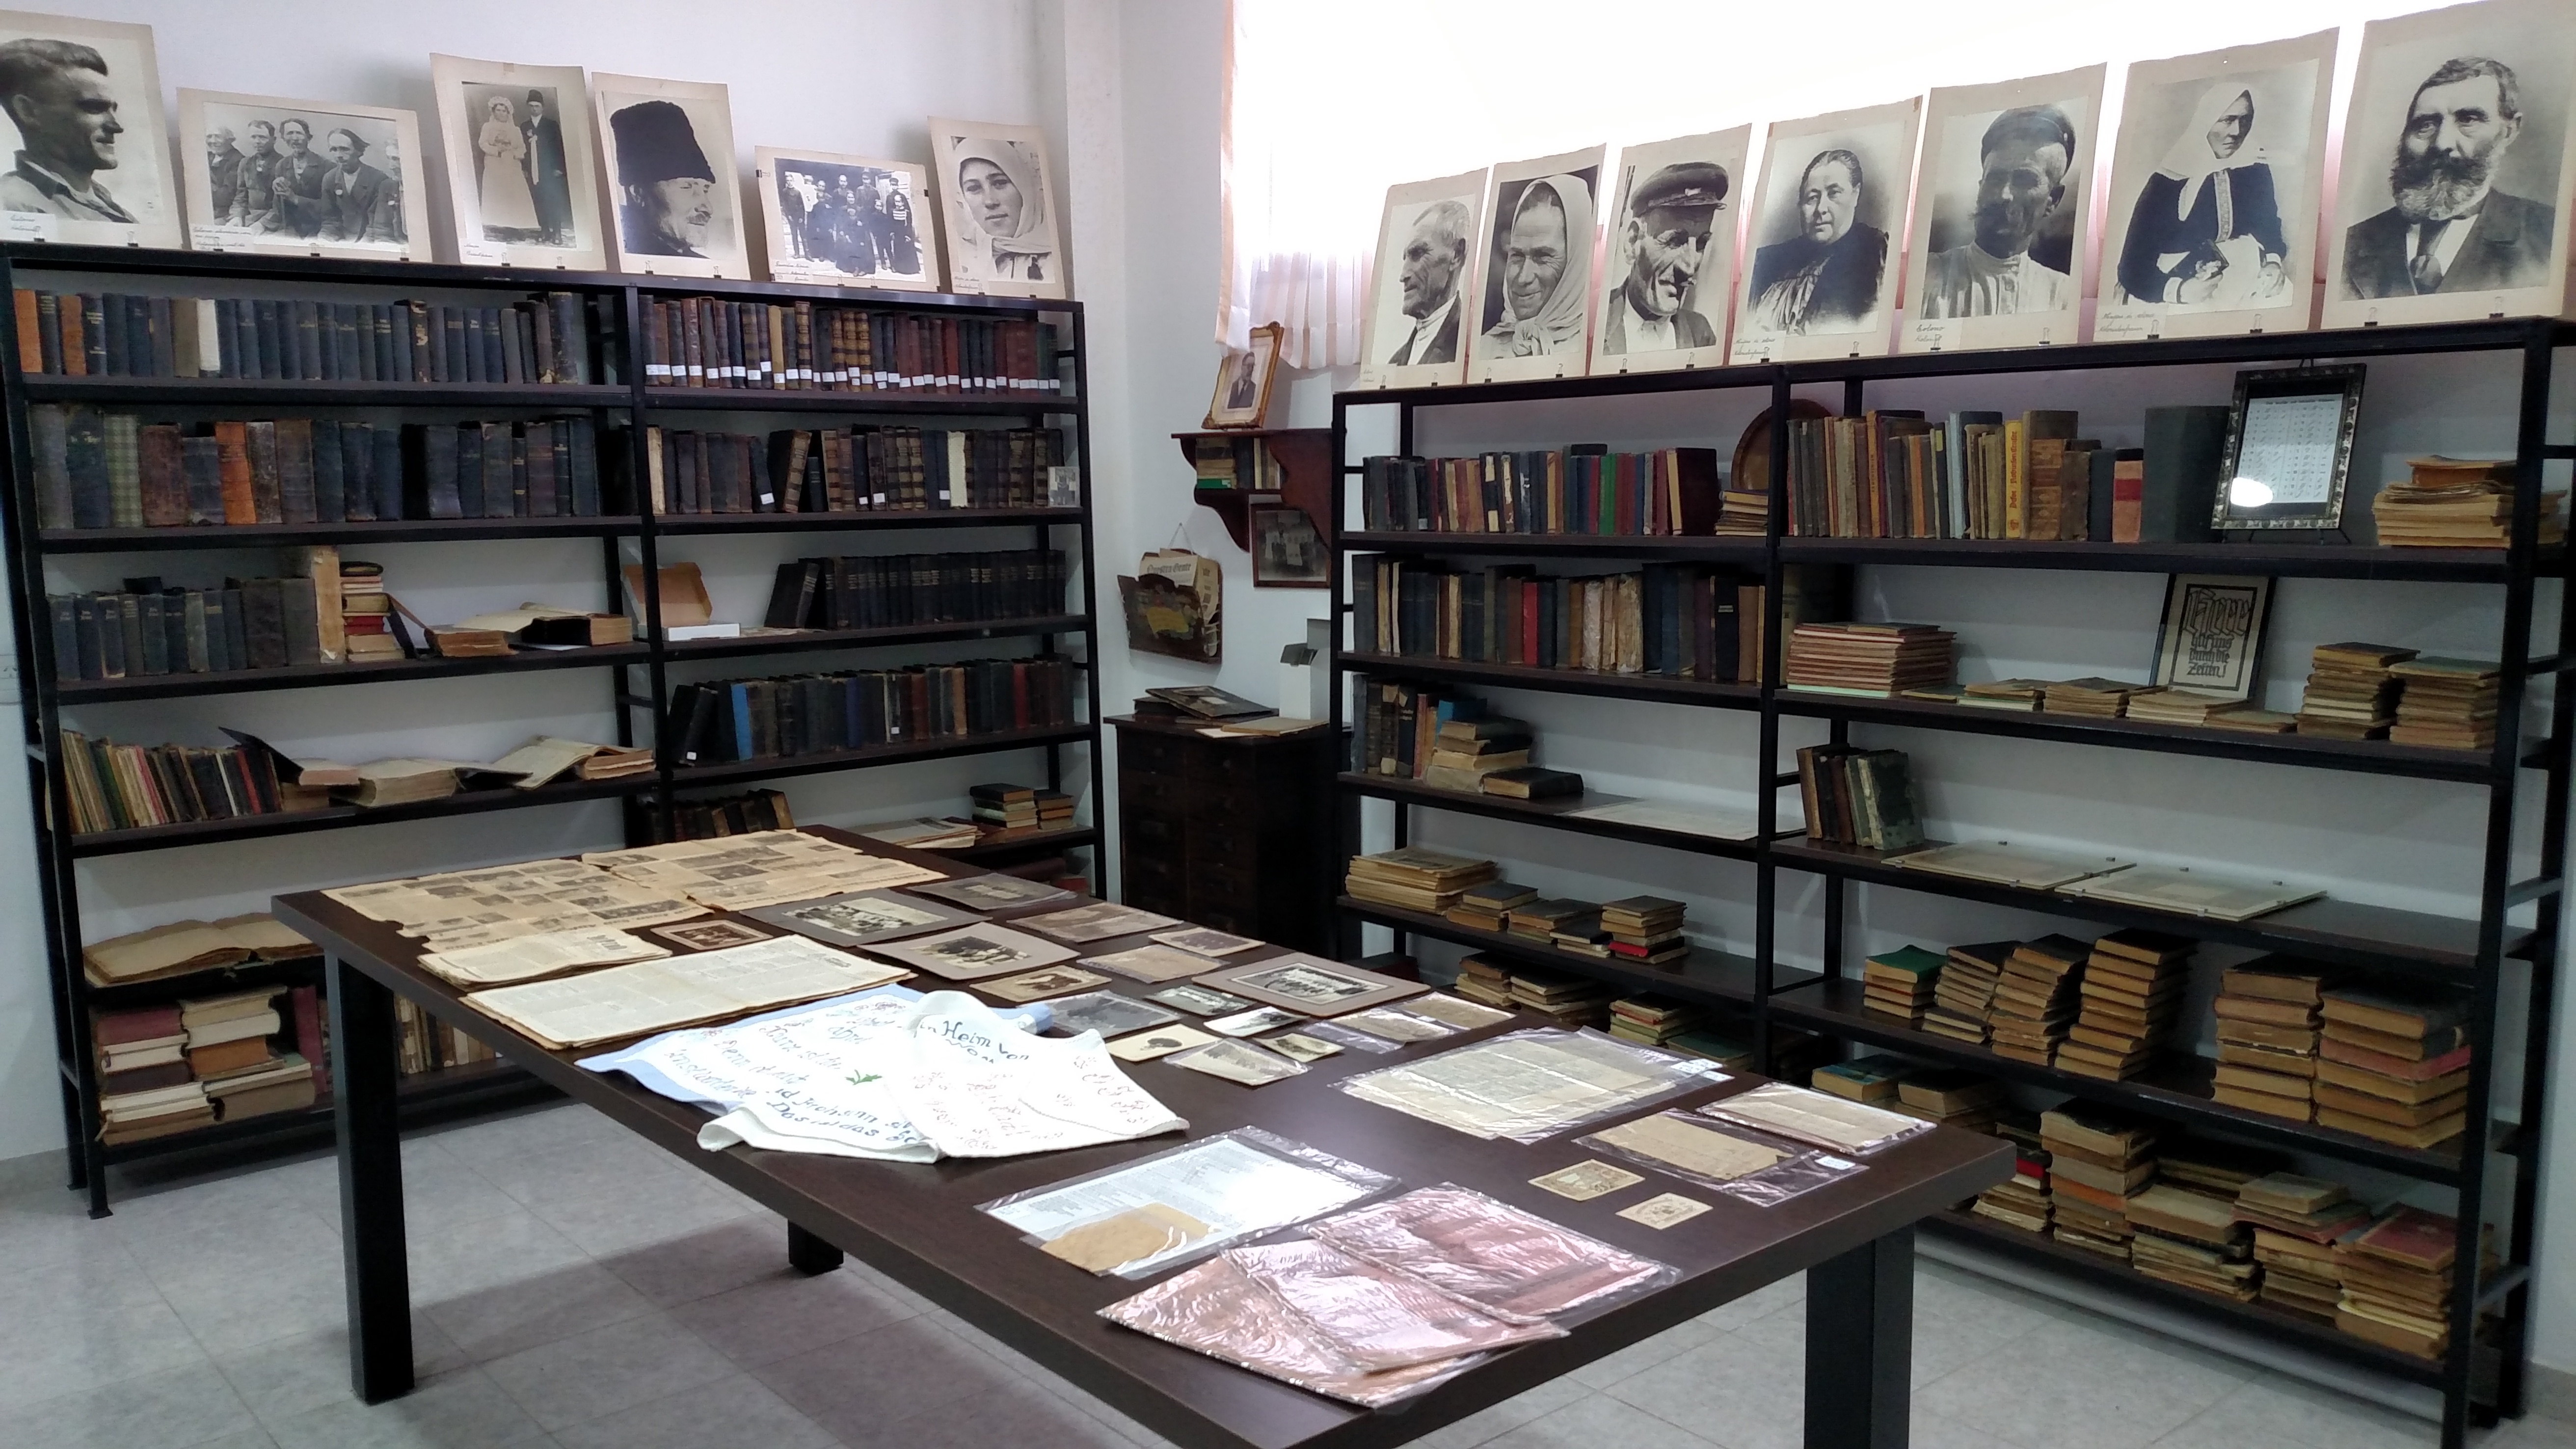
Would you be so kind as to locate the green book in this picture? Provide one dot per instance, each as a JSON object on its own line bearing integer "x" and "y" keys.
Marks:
{"x": 1911, "y": 961}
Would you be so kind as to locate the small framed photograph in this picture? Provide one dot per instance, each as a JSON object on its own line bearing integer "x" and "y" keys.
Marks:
{"x": 713, "y": 935}
{"x": 315, "y": 178}
{"x": 1002, "y": 232}
{"x": 2212, "y": 636}
{"x": 93, "y": 157}
{"x": 1288, "y": 551}
{"x": 1311, "y": 985}
{"x": 522, "y": 174}
{"x": 1243, "y": 381}
{"x": 2289, "y": 448}
{"x": 846, "y": 221}
{"x": 666, "y": 149}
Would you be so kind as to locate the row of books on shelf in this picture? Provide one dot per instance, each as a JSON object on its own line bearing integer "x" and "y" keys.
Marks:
{"x": 800, "y": 345}
{"x": 890, "y": 590}
{"x": 114, "y": 786}
{"x": 546, "y": 339}
{"x": 1681, "y": 621}
{"x": 1471, "y": 892}
{"x": 1449, "y": 740}
{"x": 1236, "y": 464}
{"x": 186, "y": 1064}
{"x": 112, "y": 470}
{"x": 857, "y": 469}
{"x": 720, "y": 721}
{"x": 1893, "y": 473}
{"x": 1583, "y": 489}
{"x": 153, "y": 630}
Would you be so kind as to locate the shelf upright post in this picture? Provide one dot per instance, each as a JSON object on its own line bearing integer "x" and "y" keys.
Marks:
{"x": 1101, "y": 855}
{"x": 57, "y": 883}
{"x": 1766, "y": 800}
{"x": 639, "y": 468}
{"x": 1346, "y": 815}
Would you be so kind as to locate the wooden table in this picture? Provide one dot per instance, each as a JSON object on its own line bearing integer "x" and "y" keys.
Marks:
{"x": 918, "y": 1224}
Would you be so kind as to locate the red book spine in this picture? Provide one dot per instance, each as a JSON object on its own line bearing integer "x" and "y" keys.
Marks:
{"x": 307, "y": 1005}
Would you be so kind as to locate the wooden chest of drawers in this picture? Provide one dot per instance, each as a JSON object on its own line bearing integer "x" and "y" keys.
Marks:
{"x": 1233, "y": 833}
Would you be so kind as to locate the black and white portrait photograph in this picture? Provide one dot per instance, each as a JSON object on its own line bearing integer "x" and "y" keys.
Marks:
{"x": 846, "y": 221}
{"x": 1534, "y": 298}
{"x": 2002, "y": 196}
{"x": 2213, "y": 190}
{"x": 1820, "y": 280}
{"x": 1668, "y": 259}
{"x": 1414, "y": 329}
{"x": 1243, "y": 378}
{"x": 2453, "y": 198}
{"x": 1003, "y": 231}
{"x": 1288, "y": 551}
{"x": 90, "y": 158}
{"x": 522, "y": 184}
{"x": 666, "y": 154}
{"x": 327, "y": 178}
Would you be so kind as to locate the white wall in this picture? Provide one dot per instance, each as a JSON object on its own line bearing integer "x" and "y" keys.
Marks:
{"x": 860, "y": 77}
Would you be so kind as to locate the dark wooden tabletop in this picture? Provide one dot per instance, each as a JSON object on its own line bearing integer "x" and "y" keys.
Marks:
{"x": 919, "y": 1224}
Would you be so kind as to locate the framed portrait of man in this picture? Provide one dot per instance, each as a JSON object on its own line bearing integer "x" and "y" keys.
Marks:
{"x": 1534, "y": 299}
{"x": 1668, "y": 262}
{"x": 1417, "y": 323}
{"x": 2002, "y": 197}
{"x": 1004, "y": 235}
{"x": 1820, "y": 280}
{"x": 1243, "y": 378}
{"x": 846, "y": 221}
{"x": 90, "y": 162}
{"x": 315, "y": 178}
{"x": 666, "y": 152}
{"x": 2212, "y": 226}
{"x": 522, "y": 178}
{"x": 2455, "y": 186}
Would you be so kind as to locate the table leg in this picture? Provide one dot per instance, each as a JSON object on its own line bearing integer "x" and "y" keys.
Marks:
{"x": 1860, "y": 1346}
{"x": 363, "y": 1071}
{"x": 808, "y": 1254}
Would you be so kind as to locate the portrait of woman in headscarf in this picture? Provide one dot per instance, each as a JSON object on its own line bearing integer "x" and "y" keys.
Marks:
{"x": 2205, "y": 231}
{"x": 1002, "y": 227}
{"x": 1543, "y": 262}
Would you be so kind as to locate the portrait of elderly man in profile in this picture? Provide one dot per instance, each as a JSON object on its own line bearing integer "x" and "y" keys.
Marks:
{"x": 2023, "y": 160}
{"x": 1434, "y": 266}
{"x": 57, "y": 93}
{"x": 2451, "y": 229}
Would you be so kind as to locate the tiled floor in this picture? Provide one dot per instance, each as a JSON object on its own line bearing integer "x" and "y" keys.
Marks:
{"x": 576, "y": 1288}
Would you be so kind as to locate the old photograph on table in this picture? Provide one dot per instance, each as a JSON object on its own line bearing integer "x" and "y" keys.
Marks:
{"x": 1534, "y": 292}
{"x": 522, "y": 174}
{"x": 1415, "y": 324}
{"x": 1004, "y": 232}
{"x": 304, "y": 178}
{"x": 973, "y": 953}
{"x": 1668, "y": 260}
{"x": 666, "y": 153}
{"x": 2212, "y": 225}
{"x": 859, "y": 918}
{"x": 846, "y": 221}
{"x": 1995, "y": 255}
{"x": 1819, "y": 275}
{"x": 91, "y": 155}
{"x": 2454, "y": 188}
{"x": 1313, "y": 986}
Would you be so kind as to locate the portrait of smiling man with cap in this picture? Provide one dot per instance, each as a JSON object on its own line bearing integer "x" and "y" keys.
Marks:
{"x": 1665, "y": 236}
{"x": 666, "y": 201}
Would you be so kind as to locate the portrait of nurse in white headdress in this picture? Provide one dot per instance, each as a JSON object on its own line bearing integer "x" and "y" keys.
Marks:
{"x": 1003, "y": 235}
{"x": 1542, "y": 269}
{"x": 2205, "y": 233}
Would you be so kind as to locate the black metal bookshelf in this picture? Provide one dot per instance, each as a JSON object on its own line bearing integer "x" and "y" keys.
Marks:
{"x": 639, "y": 681}
{"x": 2494, "y": 959}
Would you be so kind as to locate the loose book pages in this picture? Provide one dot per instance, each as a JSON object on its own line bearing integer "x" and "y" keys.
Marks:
{"x": 2191, "y": 894}
{"x": 2007, "y": 864}
{"x": 525, "y": 958}
{"x": 770, "y": 867}
{"x": 1525, "y": 1085}
{"x": 625, "y": 1001}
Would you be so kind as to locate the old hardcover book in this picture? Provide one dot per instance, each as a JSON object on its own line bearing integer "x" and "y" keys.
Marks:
{"x": 47, "y": 427}
{"x": 85, "y": 460}
{"x": 267, "y": 505}
{"x": 432, "y": 471}
{"x": 295, "y": 470}
{"x": 264, "y": 623}
{"x": 328, "y": 464}
{"x": 201, "y": 466}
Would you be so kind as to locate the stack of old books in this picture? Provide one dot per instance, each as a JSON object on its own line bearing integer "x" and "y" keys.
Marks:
{"x": 2021, "y": 1201}
{"x": 2219, "y": 1168}
{"x": 2449, "y": 704}
{"x": 1543, "y": 920}
{"x": 1645, "y": 928}
{"x": 1487, "y": 906}
{"x": 2192, "y": 1238}
{"x": 1949, "y": 1096}
{"x": 2092, "y": 696}
{"x": 1653, "y": 1020}
{"x": 2035, "y": 998}
{"x": 144, "y": 1084}
{"x": 1876, "y": 660}
{"x": 2012, "y": 694}
{"x": 230, "y": 1033}
{"x": 2351, "y": 693}
{"x": 2097, "y": 1162}
{"x": 2267, "y": 1036}
{"x": 1566, "y": 1000}
{"x": 2296, "y": 1221}
{"x": 1055, "y": 810}
{"x": 2457, "y": 503}
{"x": 1741, "y": 512}
{"x": 1862, "y": 1079}
{"x": 2177, "y": 706}
{"x": 2396, "y": 1277}
{"x": 1010, "y": 807}
{"x": 366, "y": 613}
{"x": 1965, "y": 991}
{"x": 2133, "y": 987}
{"x": 1900, "y": 983}
{"x": 1415, "y": 879}
{"x": 1737, "y": 1055}
{"x": 2394, "y": 1064}
{"x": 1482, "y": 978}
{"x": 1465, "y": 751}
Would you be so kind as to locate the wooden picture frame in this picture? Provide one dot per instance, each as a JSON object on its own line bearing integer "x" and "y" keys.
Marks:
{"x": 995, "y": 179}
{"x": 2211, "y": 635}
{"x": 133, "y": 195}
{"x": 830, "y": 220}
{"x": 1242, "y": 396}
{"x": 377, "y": 210}
{"x": 1288, "y": 550}
{"x": 674, "y": 201}
{"x": 2288, "y": 454}
{"x": 549, "y": 215}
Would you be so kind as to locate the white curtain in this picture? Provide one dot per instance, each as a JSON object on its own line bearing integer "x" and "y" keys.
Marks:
{"x": 1329, "y": 102}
